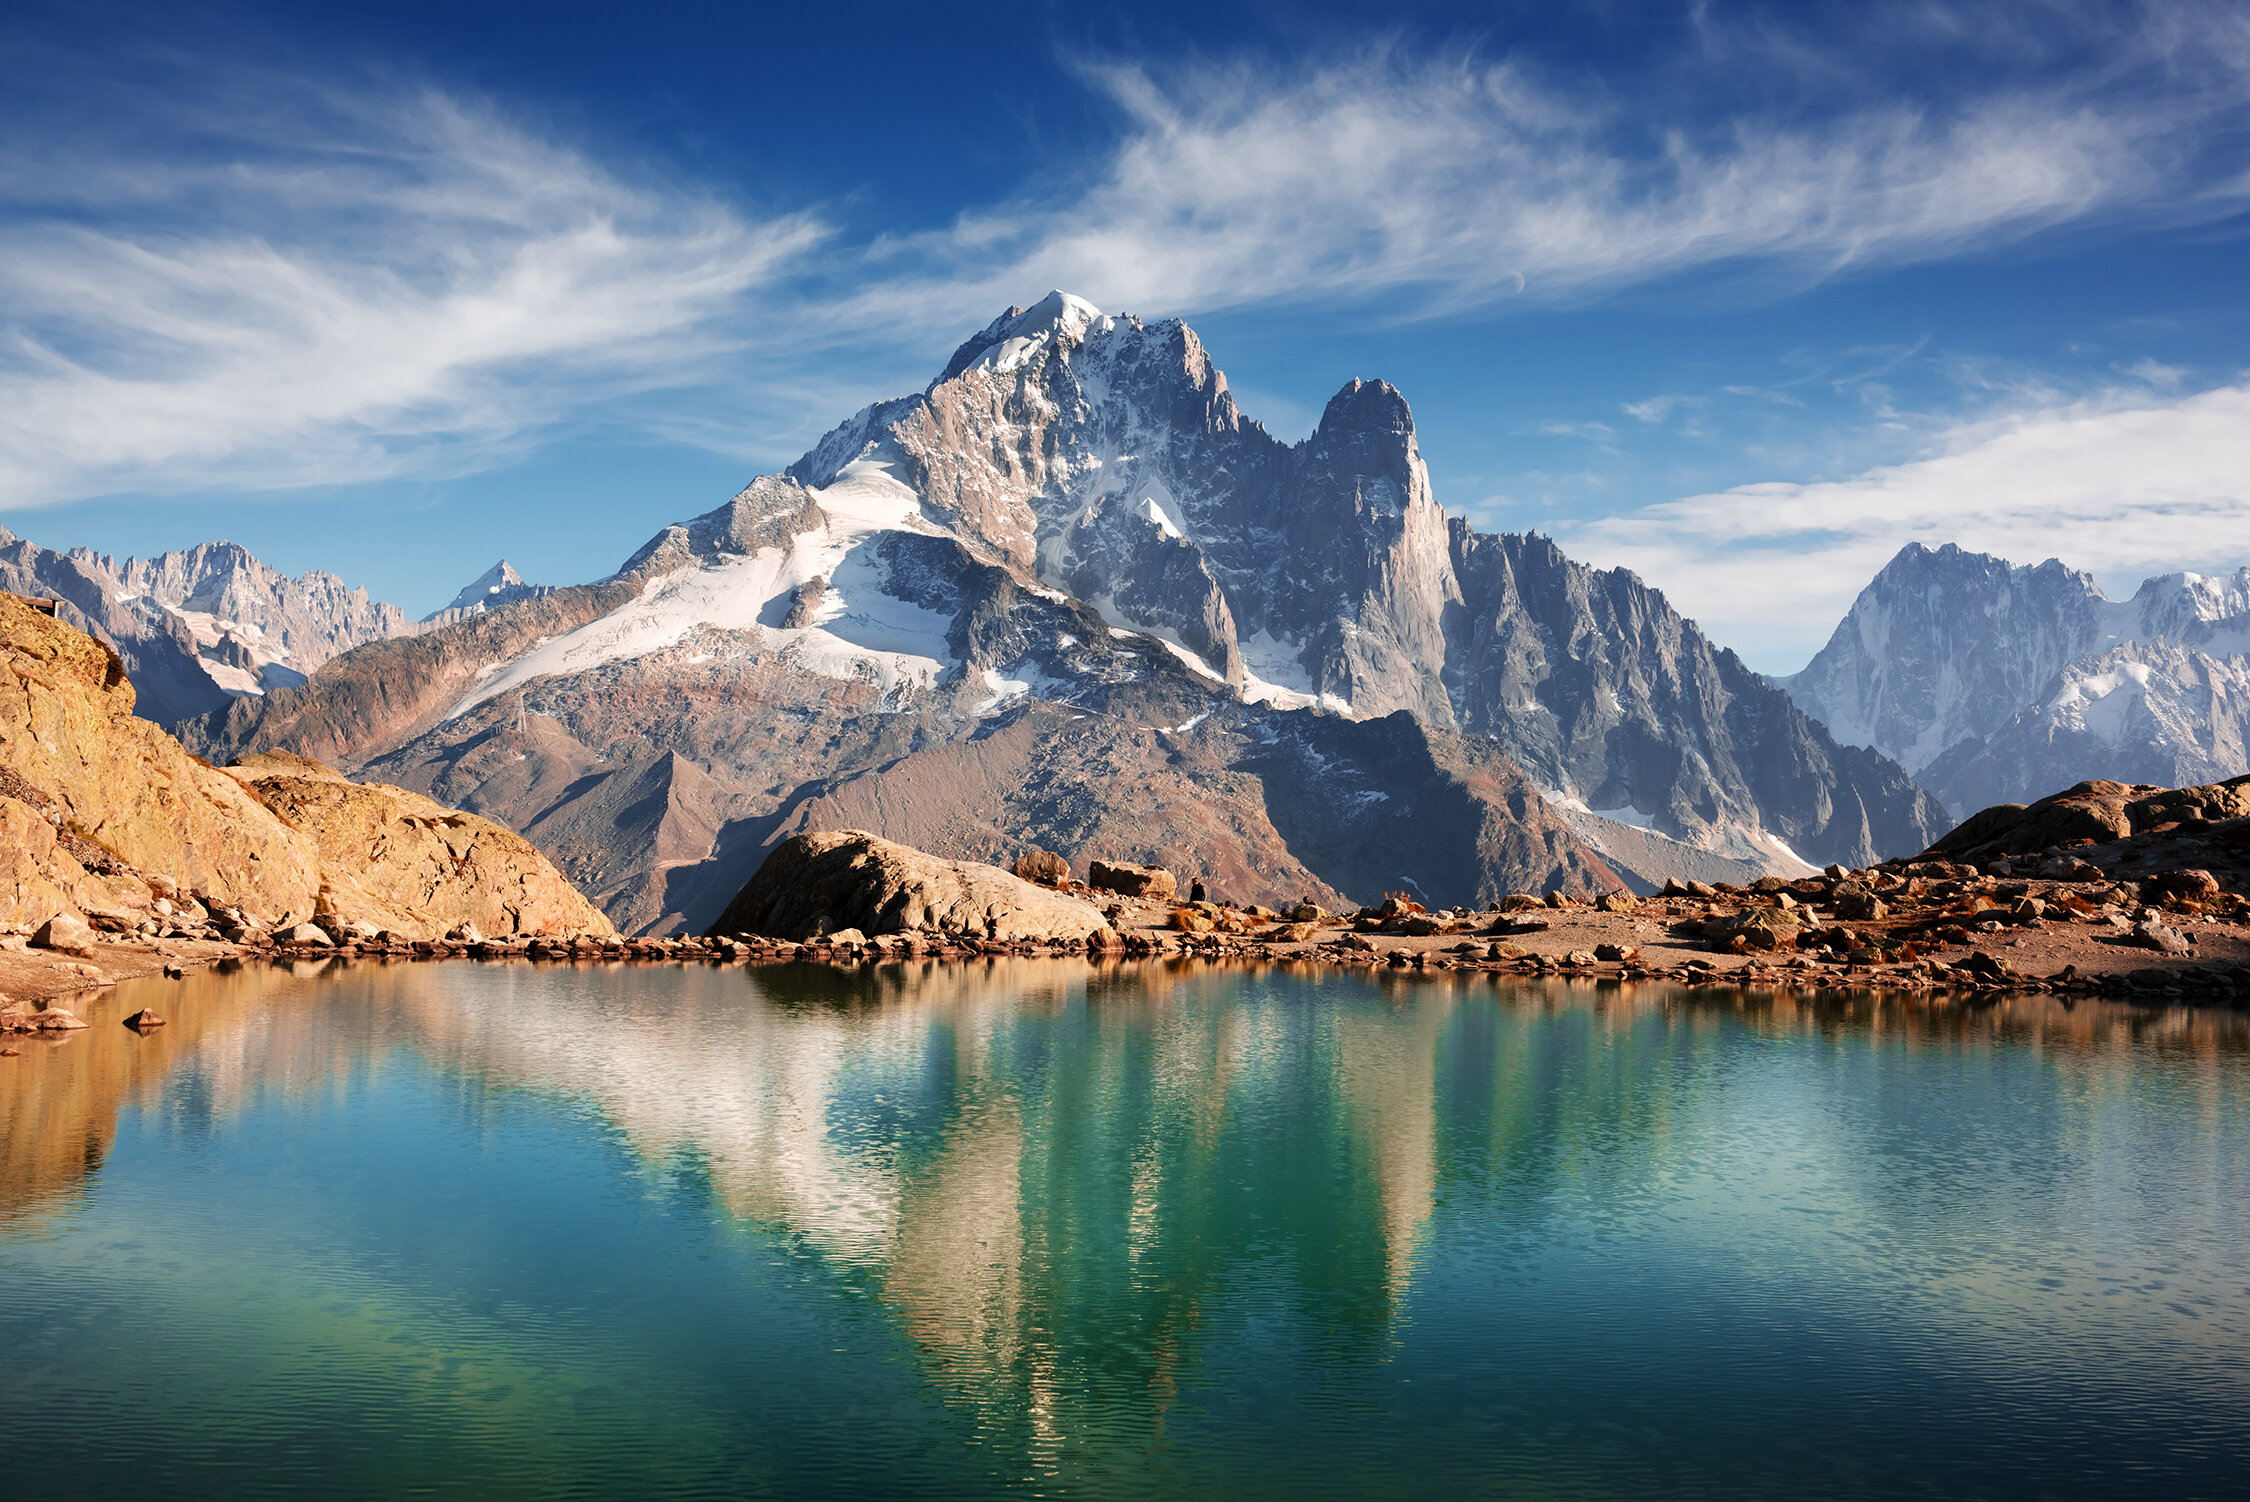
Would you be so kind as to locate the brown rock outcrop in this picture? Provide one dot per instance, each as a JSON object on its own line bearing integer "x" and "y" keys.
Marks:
{"x": 1044, "y": 867}
{"x": 820, "y": 883}
{"x": 2098, "y": 811}
{"x": 103, "y": 810}
{"x": 1129, "y": 880}
{"x": 397, "y": 860}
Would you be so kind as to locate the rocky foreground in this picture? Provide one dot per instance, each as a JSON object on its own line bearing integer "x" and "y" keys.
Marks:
{"x": 2090, "y": 891}
{"x": 122, "y": 856}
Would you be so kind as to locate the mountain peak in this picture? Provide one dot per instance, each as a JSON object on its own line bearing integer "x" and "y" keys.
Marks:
{"x": 495, "y": 586}
{"x": 1369, "y": 406}
{"x": 1012, "y": 338}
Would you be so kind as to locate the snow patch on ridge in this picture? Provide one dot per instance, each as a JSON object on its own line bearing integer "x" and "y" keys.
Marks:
{"x": 1003, "y": 690}
{"x": 1157, "y": 514}
{"x": 858, "y": 627}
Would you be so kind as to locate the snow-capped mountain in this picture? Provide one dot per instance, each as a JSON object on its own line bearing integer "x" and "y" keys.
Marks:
{"x": 199, "y": 626}
{"x": 1069, "y": 595}
{"x": 1945, "y": 652}
{"x": 2154, "y": 712}
{"x": 1107, "y": 456}
{"x": 496, "y": 586}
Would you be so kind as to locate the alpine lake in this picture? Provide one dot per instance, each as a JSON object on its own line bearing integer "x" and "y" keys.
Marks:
{"x": 1044, "y": 1228}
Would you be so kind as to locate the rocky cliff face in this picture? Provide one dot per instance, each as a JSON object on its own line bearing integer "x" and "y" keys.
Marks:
{"x": 1994, "y": 682}
{"x": 199, "y": 627}
{"x": 105, "y": 812}
{"x": 1070, "y": 579}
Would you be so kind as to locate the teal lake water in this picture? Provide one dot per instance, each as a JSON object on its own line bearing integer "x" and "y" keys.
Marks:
{"x": 1020, "y": 1229}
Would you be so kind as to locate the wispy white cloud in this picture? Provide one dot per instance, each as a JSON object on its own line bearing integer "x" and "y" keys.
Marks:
{"x": 1456, "y": 185}
{"x": 2122, "y": 485}
{"x": 373, "y": 285}
{"x": 259, "y": 282}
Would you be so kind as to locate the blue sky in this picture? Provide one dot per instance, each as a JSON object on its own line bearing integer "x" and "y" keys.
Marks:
{"x": 1742, "y": 297}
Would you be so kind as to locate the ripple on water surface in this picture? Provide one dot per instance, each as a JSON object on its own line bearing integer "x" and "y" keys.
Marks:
{"x": 1026, "y": 1228}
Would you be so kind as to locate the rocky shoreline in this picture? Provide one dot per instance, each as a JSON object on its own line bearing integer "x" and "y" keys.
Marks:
{"x": 1958, "y": 935}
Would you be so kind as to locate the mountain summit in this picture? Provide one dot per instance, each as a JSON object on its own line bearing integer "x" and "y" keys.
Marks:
{"x": 497, "y": 585}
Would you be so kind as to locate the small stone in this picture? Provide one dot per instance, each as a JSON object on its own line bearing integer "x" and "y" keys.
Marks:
{"x": 144, "y": 1019}
{"x": 305, "y": 933}
{"x": 1616, "y": 954}
{"x": 2157, "y": 936}
{"x": 1857, "y": 904}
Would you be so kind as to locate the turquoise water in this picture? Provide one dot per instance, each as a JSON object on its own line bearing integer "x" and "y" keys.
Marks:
{"x": 491, "y": 1231}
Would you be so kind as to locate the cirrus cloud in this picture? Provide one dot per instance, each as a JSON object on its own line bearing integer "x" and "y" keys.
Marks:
{"x": 368, "y": 286}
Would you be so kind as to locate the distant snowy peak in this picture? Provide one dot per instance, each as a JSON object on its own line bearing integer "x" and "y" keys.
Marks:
{"x": 2207, "y": 611}
{"x": 1945, "y": 649}
{"x": 494, "y": 580}
{"x": 496, "y": 586}
{"x": 197, "y": 626}
{"x": 2143, "y": 712}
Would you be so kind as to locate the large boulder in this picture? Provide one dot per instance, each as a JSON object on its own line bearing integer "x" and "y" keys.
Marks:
{"x": 1128, "y": 880}
{"x": 820, "y": 883}
{"x": 66, "y": 934}
{"x": 2096, "y": 810}
{"x": 1044, "y": 867}
{"x": 1759, "y": 928}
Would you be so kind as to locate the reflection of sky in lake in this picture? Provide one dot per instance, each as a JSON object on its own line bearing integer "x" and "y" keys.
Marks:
{"x": 974, "y": 1228}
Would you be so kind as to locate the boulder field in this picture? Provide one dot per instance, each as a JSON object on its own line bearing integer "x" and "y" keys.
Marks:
{"x": 2156, "y": 915}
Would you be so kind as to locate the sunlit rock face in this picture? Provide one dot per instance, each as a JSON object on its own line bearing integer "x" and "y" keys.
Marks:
{"x": 105, "y": 812}
{"x": 1073, "y": 536}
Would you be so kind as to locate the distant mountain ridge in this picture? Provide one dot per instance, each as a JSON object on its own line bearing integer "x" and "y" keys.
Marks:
{"x": 1073, "y": 558}
{"x": 1995, "y": 682}
{"x": 198, "y": 626}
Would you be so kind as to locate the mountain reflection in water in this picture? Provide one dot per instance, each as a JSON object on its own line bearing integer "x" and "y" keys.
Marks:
{"x": 1160, "y": 1222}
